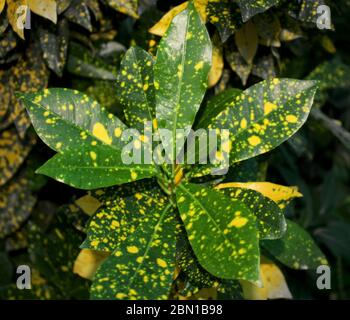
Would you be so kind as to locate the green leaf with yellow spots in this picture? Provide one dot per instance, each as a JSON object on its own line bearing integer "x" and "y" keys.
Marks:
{"x": 87, "y": 138}
{"x": 222, "y": 232}
{"x": 296, "y": 249}
{"x": 123, "y": 209}
{"x": 225, "y": 16}
{"x": 143, "y": 264}
{"x": 181, "y": 71}
{"x": 270, "y": 218}
{"x": 250, "y": 8}
{"x": 78, "y": 12}
{"x": 264, "y": 116}
{"x": 135, "y": 87}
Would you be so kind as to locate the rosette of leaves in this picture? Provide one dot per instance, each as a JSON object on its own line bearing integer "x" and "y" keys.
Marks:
{"x": 155, "y": 205}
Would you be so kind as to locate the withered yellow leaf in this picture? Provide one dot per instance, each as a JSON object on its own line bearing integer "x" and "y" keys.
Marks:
{"x": 2, "y": 5}
{"x": 17, "y": 14}
{"x": 274, "y": 285}
{"x": 275, "y": 192}
{"x": 162, "y": 25}
{"x": 46, "y": 9}
{"x": 88, "y": 261}
{"x": 88, "y": 204}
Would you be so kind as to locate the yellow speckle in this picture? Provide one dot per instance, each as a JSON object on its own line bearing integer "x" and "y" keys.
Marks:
{"x": 155, "y": 124}
{"x": 117, "y": 132}
{"x": 46, "y": 113}
{"x": 269, "y": 107}
{"x": 118, "y": 253}
{"x": 100, "y": 132}
{"x": 254, "y": 140}
{"x": 161, "y": 263}
{"x": 243, "y": 123}
{"x": 110, "y": 116}
{"x": 242, "y": 251}
{"x": 94, "y": 143}
{"x": 152, "y": 43}
{"x": 95, "y": 243}
{"x": 138, "y": 196}
{"x": 115, "y": 224}
{"x": 276, "y": 81}
{"x": 132, "y": 249}
{"x": 156, "y": 85}
{"x": 238, "y": 222}
{"x": 120, "y": 295}
{"x": 199, "y": 65}
{"x": 93, "y": 155}
{"x": 291, "y": 119}
{"x": 144, "y": 138}
{"x": 139, "y": 259}
{"x": 145, "y": 87}
{"x": 58, "y": 145}
{"x": 133, "y": 175}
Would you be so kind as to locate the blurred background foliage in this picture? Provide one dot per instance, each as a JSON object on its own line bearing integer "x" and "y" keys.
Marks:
{"x": 79, "y": 44}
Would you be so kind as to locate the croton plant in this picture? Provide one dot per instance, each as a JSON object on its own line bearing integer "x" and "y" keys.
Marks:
{"x": 159, "y": 221}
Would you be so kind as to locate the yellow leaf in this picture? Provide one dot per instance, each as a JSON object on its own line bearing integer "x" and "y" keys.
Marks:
{"x": 88, "y": 204}
{"x": 163, "y": 24}
{"x": 217, "y": 64}
{"x": 328, "y": 45}
{"x": 2, "y": 5}
{"x": 46, "y": 9}
{"x": 275, "y": 192}
{"x": 274, "y": 285}
{"x": 17, "y": 14}
{"x": 88, "y": 261}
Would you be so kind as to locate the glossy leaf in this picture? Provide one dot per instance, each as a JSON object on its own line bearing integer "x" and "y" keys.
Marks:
{"x": 275, "y": 192}
{"x": 221, "y": 231}
{"x": 265, "y": 115}
{"x": 181, "y": 71}
{"x": 201, "y": 278}
{"x": 142, "y": 266}
{"x": 270, "y": 218}
{"x": 96, "y": 160}
{"x": 123, "y": 208}
{"x": 2, "y": 5}
{"x": 135, "y": 88}
{"x": 296, "y": 249}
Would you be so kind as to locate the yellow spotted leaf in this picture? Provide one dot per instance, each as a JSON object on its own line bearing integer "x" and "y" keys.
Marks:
{"x": 88, "y": 261}
{"x": 275, "y": 192}
{"x": 274, "y": 285}
{"x": 46, "y": 9}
